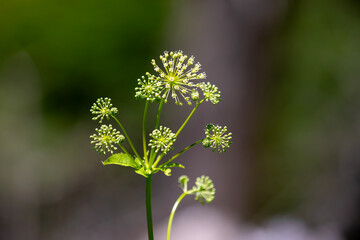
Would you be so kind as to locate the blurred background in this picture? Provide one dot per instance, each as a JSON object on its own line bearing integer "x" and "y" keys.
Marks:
{"x": 289, "y": 75}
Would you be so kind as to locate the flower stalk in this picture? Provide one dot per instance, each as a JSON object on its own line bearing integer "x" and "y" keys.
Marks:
{"x": 172, "y": 213}
{"x": 126, "y": 136}
{"x": 176, "y": 79}
{"x": 144, "y": 134}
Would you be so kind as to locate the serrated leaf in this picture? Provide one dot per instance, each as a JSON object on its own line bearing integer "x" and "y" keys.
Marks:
{"x": 121, "y": 159}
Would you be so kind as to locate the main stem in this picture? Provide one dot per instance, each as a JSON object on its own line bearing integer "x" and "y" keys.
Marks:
{"x": 173, "y": 213}
{"x": 148, "y": 208}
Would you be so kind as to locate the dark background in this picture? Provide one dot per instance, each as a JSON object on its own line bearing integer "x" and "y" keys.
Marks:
{"x": 289, "y": 75}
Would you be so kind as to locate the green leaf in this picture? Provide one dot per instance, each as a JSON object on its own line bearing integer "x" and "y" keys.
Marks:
{"x": 166, "y": 171}
{"x": 121, "y": 159}
{"x": 170, "y": 165}
{"x": 138, "y": 161}
{"x": 166, "y": 168}
{"x": 142, "y": 172}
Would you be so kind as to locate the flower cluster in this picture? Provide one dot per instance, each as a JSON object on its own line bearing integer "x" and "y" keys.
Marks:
{"x": 174, "y": 79}
{"x": 105, "y": 139}
{"x": 103, "y": 108}
{"x": 216, "y": 137}
{"x": 162, "y": 139}
{"x": 204, "y": 189}
{"x": 148, "y": 89}
{"x": 211, "y": 92}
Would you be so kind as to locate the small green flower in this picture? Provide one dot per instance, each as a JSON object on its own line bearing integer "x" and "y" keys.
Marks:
{"x": 194, "y": 95}
{"x": 105, "y": 139}
{"x": 211, "y": 92}
{"x": 103, "y": 108}
{"x": 162, "y": 139}
{"x": 217, "y": 137}
{"x": 204, "y": 189}
{"x": 178, "y": 75}
{"x": 206, "y": 142}
{"x": 148, "y": 88}
{"x": 183, "y": 180}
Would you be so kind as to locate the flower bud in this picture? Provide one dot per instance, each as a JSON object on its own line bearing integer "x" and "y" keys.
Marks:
{"x": 206, "y": 142}
{"x": 121, "y": 139}
{"x": 194, "y": 95}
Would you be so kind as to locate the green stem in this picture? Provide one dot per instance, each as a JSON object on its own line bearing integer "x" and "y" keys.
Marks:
{"x": 157, "y": 123}
{"x": 188, "y": 118}
{"x": 148, "y": 208}
{"x": 159, "y": 113}
{"x": 152, "y": 156}
{"x": 181, "y": 128}
{"x": 124, "y": 150}
{"x": 178, "y": 154}
{"x": 144, "y": 134}
{"x": 127, "y": 136}
{"x": 173, "y": 213}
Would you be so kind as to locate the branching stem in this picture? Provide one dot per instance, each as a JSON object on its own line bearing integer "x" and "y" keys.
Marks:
{"x": 173, "y": 213}
{"x": 178, "y": 154}
{"x": 157, "y": 123}
{"x": 144, "y": 134}
{"x": 180, "y": 129}
{"x": 158, "y": 114}
{"x": 188, "y": 118}
{"x": 127, "y": 137}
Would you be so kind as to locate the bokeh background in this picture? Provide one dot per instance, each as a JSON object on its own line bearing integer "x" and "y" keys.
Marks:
{"x": 289, "y": 74}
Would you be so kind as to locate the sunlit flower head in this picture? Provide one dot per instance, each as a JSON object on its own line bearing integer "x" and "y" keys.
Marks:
{"x": 148, "y": 88}
{"x": 103, "y": 108}
{"x": 177, "y": 76}
{"x": 204, "y": 189}
{"x": 217, "y": 138}
{"x": 162, "y": 139}
{"x": 106, "y": 139}
{"x": 211, "y": 92}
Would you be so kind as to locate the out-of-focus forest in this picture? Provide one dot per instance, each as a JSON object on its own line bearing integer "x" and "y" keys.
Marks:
{"x": 289, "y": 73}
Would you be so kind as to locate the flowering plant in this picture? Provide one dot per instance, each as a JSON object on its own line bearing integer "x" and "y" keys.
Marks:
{"x": 178, "y": 79}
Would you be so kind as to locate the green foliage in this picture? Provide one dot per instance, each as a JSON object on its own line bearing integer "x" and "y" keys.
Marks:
{"x": 121, "y": 159}
{"x": 311, "y": 105}
{"x": 82, "y": 48}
